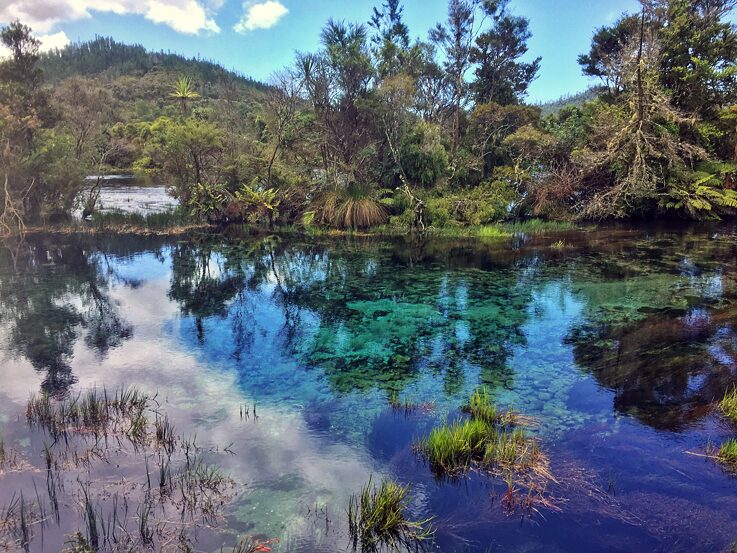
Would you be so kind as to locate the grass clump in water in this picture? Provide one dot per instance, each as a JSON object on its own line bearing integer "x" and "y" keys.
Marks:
{"x": 728, "y": 452}
{"x": 728, "y": 405}
{"x": 377, "y": 518}
{"x": 91, "y": 411}
{"x": 490, "y": 439}
{"x": 481, "y": 406}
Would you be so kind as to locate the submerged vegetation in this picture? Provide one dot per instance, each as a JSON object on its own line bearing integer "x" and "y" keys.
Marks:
{"x": 379, "y": 128}
{"x": 377, "y": 518}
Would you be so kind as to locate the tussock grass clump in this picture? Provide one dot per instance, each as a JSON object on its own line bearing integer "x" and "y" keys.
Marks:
{"x": 482, "y": 407}
{"x": 456, "y": 447}
{"x": 490, "y": 439}
{"x": 377, "y": 518}
{"x": 728, "y": 452}
{"x": 728, "y": 405}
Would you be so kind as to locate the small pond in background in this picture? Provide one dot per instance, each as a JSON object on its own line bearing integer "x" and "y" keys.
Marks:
{"x": 617, "y": 343}
{"x": 130, "y": 194}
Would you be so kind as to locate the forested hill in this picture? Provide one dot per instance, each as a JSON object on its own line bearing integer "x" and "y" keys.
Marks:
{"x": 577, "y": 100}
{"x": 106, "y": 60}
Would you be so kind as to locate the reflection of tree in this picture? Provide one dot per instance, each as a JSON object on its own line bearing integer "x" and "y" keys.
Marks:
{"x": 50, "y": 290}
{"x": 201, "y": 284}
{"x": 642, "y": 337}
{"x": 666, "y": 369}
{"x": 368, "y": 313}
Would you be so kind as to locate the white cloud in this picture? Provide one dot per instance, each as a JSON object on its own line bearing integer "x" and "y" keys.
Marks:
{"x": 48, "y": 42}
{"x": 56, "y": 40}
{"x": 184, "y": 16}
{"x": 260, "y": 16}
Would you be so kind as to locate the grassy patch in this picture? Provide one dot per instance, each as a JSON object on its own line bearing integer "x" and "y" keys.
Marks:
{"x": 490, "y": 439}
{"x": 728, "y": 405}
{"x": 377, "y": 518}
{"x": 728, "y": 452}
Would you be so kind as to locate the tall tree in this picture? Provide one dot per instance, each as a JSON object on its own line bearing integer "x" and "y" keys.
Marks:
{"x": 455, "y": 39}
{"x": 604, "y": 59}
{"x": 500, "y": 75}
{"x": 699, "y": 54}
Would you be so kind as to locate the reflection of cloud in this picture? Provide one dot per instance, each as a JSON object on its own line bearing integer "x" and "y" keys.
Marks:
{"x": 261, "y": 16}
{"x": 184, "y": 16}
{"x": 284, "y": 464}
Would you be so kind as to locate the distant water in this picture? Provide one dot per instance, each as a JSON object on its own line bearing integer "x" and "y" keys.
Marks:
{"x": 128, "y": 194}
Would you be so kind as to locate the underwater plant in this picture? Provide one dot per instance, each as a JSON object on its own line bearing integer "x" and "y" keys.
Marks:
{"x": 377, "y": 518}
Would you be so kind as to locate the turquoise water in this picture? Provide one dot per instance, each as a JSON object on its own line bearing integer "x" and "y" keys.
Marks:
{"x": 618, "y": 344}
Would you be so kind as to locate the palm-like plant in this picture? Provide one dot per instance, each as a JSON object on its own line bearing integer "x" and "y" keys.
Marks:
{"x": 183, "y": 91}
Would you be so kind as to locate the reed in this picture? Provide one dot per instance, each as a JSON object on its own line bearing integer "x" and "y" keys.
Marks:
{"x": 377, "y": 518}
{"x": 728, "y": 404}
{"x": 728, "y": 452}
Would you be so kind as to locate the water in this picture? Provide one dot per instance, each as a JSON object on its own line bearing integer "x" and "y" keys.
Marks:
{"x": 135, "y": 199}
{"x": 618, "y": 344}
{"x": 129, "y": 194}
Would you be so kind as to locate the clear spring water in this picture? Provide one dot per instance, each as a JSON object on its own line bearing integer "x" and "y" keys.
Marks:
{"x": 617, "y": 343}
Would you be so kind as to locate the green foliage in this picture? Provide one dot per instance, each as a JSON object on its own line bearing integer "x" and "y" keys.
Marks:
{"x": 487, "y": 203}
{"x": 424, "y": 157}
{"x": 377, "y": 518}
{"x": 701, "y": 194}
{"x": 728, "y": 405}
{"x": 206, "y": 199}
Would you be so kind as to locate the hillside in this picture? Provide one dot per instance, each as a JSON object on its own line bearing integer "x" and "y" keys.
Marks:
{"x": 132, "y": 73}
{"x": 554, "y": 106}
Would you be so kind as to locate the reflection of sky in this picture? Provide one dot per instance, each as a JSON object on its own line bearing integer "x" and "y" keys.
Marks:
{"x": 309, "y": 445}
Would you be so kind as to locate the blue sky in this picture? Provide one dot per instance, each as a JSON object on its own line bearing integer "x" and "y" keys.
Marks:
{"x": 267, "y": 40}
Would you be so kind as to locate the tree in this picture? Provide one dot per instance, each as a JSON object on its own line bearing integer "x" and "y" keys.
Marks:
{"x": 500, "y": 76}
{"x": 604, "y": 59}
{"x": 86, "y": 110}
{"x": 37, "y": 172}
{"x": 455, "y": 39}
{"x": 183, "y": 91}
{"x": 182, "y": 153}
{"x": 336, "y": 81}
{"x": 699, "y": 55}
{"x": 391, "y": 43}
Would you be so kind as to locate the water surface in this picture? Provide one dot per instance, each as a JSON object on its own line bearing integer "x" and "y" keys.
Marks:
{"x": 617, "y": 343}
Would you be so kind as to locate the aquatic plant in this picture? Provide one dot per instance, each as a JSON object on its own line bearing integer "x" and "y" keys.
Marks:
{"x": 377, "y": 518}
{"x": 481, "y": 406}
{"x": 728, "y": 404}
{"x": 93, "y": 411}
{"x": 248, "y": 544}
{"x": 559, "y": 245}
{"x": 728, "y": 452}
{"x": 164, "y": 434}
{"x": 490, "y": 439}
